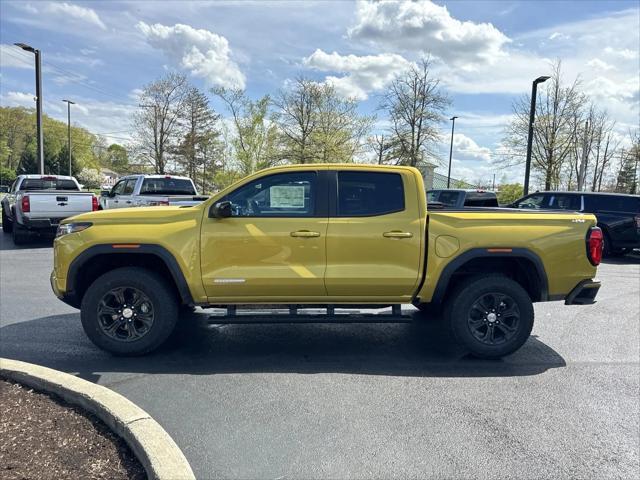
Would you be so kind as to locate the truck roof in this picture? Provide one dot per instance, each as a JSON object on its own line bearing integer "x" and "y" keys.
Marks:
{"x": 35, "y": 175}
{"x": 167, "y": 175}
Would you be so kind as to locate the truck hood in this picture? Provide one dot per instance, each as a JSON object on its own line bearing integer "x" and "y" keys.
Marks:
{"x": 137, "y": 215}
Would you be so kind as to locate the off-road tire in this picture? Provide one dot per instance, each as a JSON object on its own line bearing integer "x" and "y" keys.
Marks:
{"x": 7, "y": 225}
{"x": 164, "y": 303}
{"x": 459, "y": 309}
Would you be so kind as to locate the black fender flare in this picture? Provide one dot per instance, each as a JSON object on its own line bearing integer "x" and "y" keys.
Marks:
{"x": 460, "y": 260}
{"x": 71, "y": 296}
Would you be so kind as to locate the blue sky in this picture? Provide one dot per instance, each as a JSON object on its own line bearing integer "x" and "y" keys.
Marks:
{"x": 486, "y": 54}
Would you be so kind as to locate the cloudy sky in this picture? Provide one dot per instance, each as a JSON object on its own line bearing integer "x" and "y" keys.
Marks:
{"x": 485, "y": 52}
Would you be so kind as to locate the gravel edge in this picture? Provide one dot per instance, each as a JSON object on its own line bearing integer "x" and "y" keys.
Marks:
{"x": 156, "y": 450}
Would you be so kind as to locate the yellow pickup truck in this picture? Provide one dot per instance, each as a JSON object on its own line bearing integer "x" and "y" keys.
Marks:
{"x": 329, "y": 235}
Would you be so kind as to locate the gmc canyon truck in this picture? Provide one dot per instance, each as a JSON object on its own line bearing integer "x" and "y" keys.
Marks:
{"x": 330, "y": 235}
{"x": 37, "y": 203}
{"x": 151, "y": 190}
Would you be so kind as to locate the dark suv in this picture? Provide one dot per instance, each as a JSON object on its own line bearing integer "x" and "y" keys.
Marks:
{"x": 618, "y": 214}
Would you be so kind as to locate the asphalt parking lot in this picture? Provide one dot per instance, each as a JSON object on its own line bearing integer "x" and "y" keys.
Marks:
{"x": 365, "y": 401}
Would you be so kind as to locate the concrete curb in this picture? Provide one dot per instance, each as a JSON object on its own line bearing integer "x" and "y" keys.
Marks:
{"x": 156, "y": 450}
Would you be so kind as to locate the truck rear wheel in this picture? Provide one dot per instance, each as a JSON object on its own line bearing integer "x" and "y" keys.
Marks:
{"x": 490, "y": 315}
{"x": 7, "y": 225}
{"x": 20, "y": 234}
{"x": 129, "y": 311}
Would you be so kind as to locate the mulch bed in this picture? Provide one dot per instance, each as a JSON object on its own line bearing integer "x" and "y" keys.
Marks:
{"x": 42, "y": 437}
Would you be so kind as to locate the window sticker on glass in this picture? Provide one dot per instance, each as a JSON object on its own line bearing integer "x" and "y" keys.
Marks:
{"x": 286, "y": 196}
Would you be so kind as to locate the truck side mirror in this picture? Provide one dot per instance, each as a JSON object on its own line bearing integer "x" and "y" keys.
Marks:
{"x": 220, "y": 210}
{"x": 105, "y": 193}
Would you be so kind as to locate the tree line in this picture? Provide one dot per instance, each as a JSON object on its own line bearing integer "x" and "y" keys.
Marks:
{"x": 176, "y": 130}
{"x": 575, "y": 143}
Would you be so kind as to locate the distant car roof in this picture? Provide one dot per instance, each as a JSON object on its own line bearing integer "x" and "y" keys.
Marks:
{"x": 61, "y": 177}
{"x": 136, "y": 175}
{"x": 611, "y": 194}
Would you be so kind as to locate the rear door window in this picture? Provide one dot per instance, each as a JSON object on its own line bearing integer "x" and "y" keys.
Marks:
{"x": 612, "y": 203}
{"x": 364, "y": 194}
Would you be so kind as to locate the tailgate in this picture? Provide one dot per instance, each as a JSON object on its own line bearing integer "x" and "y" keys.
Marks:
{"x": 183, "y": 200}
{"x": 59, "y": 204}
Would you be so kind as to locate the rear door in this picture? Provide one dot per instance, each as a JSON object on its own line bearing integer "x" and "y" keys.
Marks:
{"x": 113, "y": 200}
{"x": 617, "y": 216}
{"x": 125, "y": 199}
{"x": 374, "y": 234}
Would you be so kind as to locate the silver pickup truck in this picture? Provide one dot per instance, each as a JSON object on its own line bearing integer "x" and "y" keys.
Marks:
{"x": 151, "y": 190}
{"x": 40, "y": 202}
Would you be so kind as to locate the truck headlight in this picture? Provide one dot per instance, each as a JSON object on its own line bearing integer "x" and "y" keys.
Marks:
{"x": 66, "y": 228}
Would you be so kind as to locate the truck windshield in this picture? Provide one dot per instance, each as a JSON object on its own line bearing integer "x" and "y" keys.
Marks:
{"x": 48, "y": 184}
{"x": 167, "y": 186}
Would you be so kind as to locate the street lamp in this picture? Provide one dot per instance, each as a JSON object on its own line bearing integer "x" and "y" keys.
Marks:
{"x": 69, "y": 103}
{"x": 532, "y": 114}
{"x": 453, "y": 126}
{"x": 36, "y": 52}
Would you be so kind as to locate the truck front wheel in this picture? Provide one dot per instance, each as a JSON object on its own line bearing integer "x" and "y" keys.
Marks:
{"x": 490, "y": 315}
{"x": 129, "y": 311}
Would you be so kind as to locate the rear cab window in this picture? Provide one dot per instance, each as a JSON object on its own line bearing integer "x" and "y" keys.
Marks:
{"x": 167, "y": 186}
{"x": 560, "y": 201}
{"x": 535, "y": 201}
{"x": 364, "y": 194}
{"x": 48, "y": 184}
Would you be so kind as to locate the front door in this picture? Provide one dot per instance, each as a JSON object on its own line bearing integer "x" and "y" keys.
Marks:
{"x": 374, "y": 235}
{"x": 273, "y": 246}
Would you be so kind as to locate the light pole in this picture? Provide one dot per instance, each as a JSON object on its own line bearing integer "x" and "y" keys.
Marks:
{"x": 36, "y": 52}
{"x": 453, "y": 126}
{"x": 532, "y": 114}
{"x": 69, "y": 103}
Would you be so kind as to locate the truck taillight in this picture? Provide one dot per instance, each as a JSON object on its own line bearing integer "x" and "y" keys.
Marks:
{"x": 25, "y": 204}
{"x": 594, "y": 246}
{"x": 94, "y": 203}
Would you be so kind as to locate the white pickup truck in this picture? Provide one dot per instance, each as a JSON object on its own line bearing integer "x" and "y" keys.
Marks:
{"x": 151, "y": 190}
{"x": 40, "y": 202}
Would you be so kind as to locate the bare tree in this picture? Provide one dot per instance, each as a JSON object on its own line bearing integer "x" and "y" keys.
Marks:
{"x": 415, "y": 105}
{"x": 340, "y": 130}
{"x": 157, "y": 121}
{"x": 255, "y": 138}
{"x": 297, "y": 118}
{"x": 554, "y": 131}
{"x": 381, "y": 146}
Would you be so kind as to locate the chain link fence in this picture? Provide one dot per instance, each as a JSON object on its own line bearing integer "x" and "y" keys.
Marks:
{"x": 439, "y": 181}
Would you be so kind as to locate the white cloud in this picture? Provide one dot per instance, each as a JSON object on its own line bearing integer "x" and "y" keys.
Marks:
{"x": 13, "y": 57}
{"x": 19, "y": 99}
{"x": 203, "y": 53}
{"x": 363, "y": 74}
{"x": 625, "y": 53}
{"x": 598, "y": 64}
{"x": 69, "y": 10}
{"x": 558, "y": 36}
{"x": 466, "y": 148}
{"x": 426, "y": 27}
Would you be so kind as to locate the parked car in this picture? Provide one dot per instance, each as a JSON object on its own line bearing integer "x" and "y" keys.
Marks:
{"x": 329, "y": 235}
{"x": 448, "y": 198}
{"x": 37, "y": 203}
{"x": 151, "y": 190}
{"x": 618, "y": 214}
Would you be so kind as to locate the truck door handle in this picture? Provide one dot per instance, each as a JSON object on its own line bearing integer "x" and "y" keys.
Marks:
{"x": 397, "y": 234}
{"x": 128, "y": 201}
{"x": 305, "y": 234}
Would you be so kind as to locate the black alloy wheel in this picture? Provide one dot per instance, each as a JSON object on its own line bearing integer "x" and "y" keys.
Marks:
{"x": 125, "y": 314}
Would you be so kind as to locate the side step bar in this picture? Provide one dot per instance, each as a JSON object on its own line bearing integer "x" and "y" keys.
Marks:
{"x": 232, "y": 317}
